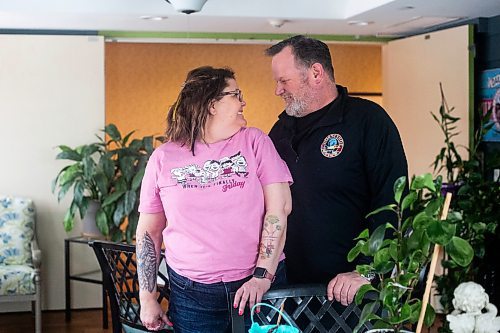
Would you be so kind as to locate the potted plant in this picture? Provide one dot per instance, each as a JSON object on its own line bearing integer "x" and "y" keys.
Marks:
{"x": 398, "y": 260}
{"x": 106, "y": 176}
{"x": 477, "y": 203}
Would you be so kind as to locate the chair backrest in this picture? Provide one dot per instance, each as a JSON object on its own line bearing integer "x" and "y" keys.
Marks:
{"x": 17, "y": 223}
{"x": 119, "y": 268}
{"x": 308, "y": 309}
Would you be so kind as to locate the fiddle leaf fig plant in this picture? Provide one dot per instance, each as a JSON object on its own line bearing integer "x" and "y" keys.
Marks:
{"x": 109, "y": 172}
{"x": 400, "y": 253}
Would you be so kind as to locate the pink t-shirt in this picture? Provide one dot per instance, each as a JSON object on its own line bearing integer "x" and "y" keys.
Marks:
{"x": 213, "y": 202}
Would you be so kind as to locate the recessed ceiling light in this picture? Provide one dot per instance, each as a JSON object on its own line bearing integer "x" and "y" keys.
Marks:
{"x": 407, "y": 8}
{"x": 359, "y": 23}
{"x": 154, "y": 18}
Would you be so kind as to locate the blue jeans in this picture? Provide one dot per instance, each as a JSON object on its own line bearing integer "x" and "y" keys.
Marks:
{"x": 198, "y": 307}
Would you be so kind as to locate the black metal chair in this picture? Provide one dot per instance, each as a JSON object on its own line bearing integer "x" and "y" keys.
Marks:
{"x": 119, "y": 267}
{"x": 309, "y": 311}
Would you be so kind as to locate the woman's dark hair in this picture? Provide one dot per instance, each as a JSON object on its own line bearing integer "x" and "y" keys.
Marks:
{"x": 307, "y": 51}
{"x": 187, "y": 117}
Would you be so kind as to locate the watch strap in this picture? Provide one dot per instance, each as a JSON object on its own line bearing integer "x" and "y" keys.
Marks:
{"x": 262, "y": 273}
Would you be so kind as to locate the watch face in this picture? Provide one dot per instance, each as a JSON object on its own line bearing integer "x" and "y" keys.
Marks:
{"x": 260, "y": 272}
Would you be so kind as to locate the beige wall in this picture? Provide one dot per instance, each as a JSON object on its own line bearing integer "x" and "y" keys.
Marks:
{"x": 412, "y": 69}
{"x": 51, "y": 93}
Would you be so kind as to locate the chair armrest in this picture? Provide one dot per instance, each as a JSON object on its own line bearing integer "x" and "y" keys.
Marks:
{"x": 36, "y": 254}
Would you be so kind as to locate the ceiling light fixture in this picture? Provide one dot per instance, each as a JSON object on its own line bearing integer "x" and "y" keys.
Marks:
{"x": 154, "y": 18}
{"x": 277, "y": 23}
{"x": 187, "y": 6}
{"x": 359, "y": 23}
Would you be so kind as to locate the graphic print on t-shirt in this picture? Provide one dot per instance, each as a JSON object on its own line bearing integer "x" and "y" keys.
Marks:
{"x": 213, "y": 173}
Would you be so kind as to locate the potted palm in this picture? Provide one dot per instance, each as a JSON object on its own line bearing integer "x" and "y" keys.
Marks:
{"x": 105, "y": 179}
{"x": 398, "y": 260}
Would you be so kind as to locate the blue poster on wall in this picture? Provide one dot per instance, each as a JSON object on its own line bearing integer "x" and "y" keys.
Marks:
{"x": 490, "y": 99}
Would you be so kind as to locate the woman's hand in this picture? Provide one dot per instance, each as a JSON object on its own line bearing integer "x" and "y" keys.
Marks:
{"x": 152, "y": 315}
{"x": 251, "y": 292}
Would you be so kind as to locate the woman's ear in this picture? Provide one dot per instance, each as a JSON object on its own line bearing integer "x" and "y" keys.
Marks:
{"x": 212, "y": 109}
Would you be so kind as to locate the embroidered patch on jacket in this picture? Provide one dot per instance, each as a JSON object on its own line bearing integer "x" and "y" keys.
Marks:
{"x": 332, "y": 145}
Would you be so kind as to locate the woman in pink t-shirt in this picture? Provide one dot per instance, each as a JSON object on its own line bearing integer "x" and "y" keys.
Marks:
{"x": 217, "y": 194}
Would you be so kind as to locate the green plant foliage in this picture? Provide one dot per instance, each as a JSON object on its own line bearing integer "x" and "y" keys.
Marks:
{"x": 407, "y": 253}
{"x": 448, "y": 158}
{"x": 110, "y": 172}
{"x": 477, "y": 212}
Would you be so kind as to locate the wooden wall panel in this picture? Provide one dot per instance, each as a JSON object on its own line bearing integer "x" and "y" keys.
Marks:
{"x": 143, "y": 79}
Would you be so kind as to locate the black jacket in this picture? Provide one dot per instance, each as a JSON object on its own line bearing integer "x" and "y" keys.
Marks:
{"x": 343, "y": 168}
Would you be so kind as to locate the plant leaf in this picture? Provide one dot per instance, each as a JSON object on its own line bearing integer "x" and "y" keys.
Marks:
{"x": 112, "y": 198}
{"x": 368, "y": 313}
{"x": 354, "y": 252}
{"x": 423, "y": 181}
{"x": 390, "y": 207}
{"x": 382, "y": 261}
{"x": 408, "y": 200}
{"x": 399, "y": 186}
{"x": 441, "y": 232}
{"x": 376, "y": 239}
{"x": 113, "y": 132}
{"x": 430, "y": 315}
{"x": 68, "y": 155}
{"x": 129, "y": 200}
{"x": 137, "y": 180}
{"x": 102, "y": 221}
{"x": 127, "y": 164}
{"x": 362, "y": 291}
{"x": 460, "y": 251}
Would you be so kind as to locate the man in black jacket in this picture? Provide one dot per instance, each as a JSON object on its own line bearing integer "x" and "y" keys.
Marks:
{"x": 344, "y": 154}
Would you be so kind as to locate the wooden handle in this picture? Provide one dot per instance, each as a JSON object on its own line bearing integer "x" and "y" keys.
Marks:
{"x": 279, "y": 314}
{"x": 432, "y": 269}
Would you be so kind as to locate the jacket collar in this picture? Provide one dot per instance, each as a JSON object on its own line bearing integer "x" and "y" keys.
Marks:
{"x": 334, "y": 115}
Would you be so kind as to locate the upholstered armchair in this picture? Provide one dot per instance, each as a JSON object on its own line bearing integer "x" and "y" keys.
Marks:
{"x": 20, "y": 257}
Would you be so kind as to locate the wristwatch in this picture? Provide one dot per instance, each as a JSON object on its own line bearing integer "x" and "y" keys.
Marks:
{"x": 369, "y": 276}
{"x": 262, "y": 273}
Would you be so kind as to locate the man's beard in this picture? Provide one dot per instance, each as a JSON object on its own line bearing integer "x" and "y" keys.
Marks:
{"x": 297, "y": 108}
{"x": 299, "y": 105}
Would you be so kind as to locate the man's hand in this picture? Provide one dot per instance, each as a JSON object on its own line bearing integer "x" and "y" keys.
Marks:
{"x": 344, "y": 287}
{"x": 251, "y": 292}
{"x": 152, "y": 315}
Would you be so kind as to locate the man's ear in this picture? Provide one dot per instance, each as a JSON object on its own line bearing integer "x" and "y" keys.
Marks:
{"x": 317, "y": 72}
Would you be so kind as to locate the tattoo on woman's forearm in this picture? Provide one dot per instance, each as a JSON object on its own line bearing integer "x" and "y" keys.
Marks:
{"x": 146, "y": 263}
{"x": 272, "y": 226}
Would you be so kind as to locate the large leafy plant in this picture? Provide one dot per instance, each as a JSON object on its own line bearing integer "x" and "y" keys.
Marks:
{"x": 109, "y": 172}
{"x": 399, "y": 259}
{"x": 477, "y": 202}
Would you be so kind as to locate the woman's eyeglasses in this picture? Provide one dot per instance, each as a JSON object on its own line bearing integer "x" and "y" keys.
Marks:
{"x": 236, "y": 93}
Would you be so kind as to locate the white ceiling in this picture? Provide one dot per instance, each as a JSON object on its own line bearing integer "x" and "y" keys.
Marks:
{"x": 317, "y": 17}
